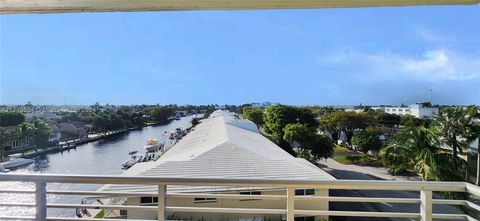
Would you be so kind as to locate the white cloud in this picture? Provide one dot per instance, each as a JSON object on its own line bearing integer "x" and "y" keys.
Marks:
{"x": 429, "y": 36}
{"x": 438, "y": 64}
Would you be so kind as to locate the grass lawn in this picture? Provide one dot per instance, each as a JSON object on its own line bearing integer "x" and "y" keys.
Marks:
{"x": 345, "y": 156}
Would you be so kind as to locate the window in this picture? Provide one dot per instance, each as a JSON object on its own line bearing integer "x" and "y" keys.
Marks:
{"x": 304, "y": 192}
{"x": 204, "y": 200}
{"x": 148, "y": 200}
{"x": 250, "y": 193}
{"x": 307, "y": 218}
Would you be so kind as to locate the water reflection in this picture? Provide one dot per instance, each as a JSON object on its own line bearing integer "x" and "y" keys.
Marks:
{"x": 102, "y": 157}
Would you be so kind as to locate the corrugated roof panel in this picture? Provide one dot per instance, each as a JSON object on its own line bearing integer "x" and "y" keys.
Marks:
{"x": 225, "y": 146}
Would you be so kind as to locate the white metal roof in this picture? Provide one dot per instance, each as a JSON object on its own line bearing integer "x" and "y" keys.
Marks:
{"x": 225, "y": 146}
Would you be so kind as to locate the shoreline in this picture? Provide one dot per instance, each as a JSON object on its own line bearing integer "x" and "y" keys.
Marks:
{"x": 72, "y": 144}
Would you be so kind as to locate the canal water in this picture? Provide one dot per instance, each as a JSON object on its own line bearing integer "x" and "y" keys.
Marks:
{"x": 103, "y": 157}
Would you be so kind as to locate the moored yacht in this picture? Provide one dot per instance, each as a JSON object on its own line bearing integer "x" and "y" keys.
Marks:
{"x": 14, "y": 161}
{"x": 132, "y": 161}
{"x": 153, "y": 145}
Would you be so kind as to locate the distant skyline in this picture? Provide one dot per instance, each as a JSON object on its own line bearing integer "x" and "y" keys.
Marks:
{"x": 300, "y": 57}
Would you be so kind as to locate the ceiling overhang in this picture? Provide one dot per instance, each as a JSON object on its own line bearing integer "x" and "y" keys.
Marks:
{"x": 73, "y": 6}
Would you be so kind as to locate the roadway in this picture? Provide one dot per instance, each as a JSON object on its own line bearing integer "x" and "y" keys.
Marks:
{"x": 341, "y": 171}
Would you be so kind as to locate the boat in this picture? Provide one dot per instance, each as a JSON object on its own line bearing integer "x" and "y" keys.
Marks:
{"x": 3, "y": 170}
{"x": 15, "y": 160}
{"x": 132, "y": 152}
{"x": 132, "y": 161}
{"x": 153, "y": 145}
{"x": 177, "y": 117}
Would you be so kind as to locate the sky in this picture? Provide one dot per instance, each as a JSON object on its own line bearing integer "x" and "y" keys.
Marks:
{"x": 302, "y": 57}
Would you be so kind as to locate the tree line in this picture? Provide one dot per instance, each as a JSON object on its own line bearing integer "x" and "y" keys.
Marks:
{"x": 432, "y": 148}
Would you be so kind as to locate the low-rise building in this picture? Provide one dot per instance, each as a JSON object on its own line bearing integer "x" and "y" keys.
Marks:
{"x": 224, "y": 146}
{"x": 416, "y": 110}
{"x": 41, "y": 114}
{"x": 18, "y": 143}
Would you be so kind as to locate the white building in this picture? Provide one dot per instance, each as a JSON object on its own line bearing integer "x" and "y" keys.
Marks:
{"x": 416, "y": 110}
{"x": 224, "y": 146}
{"x": 41, "y": 114}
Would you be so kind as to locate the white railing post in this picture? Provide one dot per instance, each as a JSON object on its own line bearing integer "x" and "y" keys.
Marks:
{"x": 290, "y": 203}
{"x": 426, "y": 205}
{"x": 40, "y": 201}
{"x": 162, "y": 199}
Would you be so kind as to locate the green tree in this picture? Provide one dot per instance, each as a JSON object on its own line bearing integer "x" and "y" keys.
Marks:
{"x": 367, "y": 140}
{"x": 418, "y": 149}
{"x": 5, "y": 138}
{"x": 452, "y": 123}
{"x": 387, "y": 120}
{"x": 11, "y": 118}
{"x": 254, "y": 114}
{"x": 473, "y": 134}
{"x": 161, "y": 114}
{"x": 276, "y": 117}
{"x": 312, "y": 146}
{"x": 346, "y": 121}
{"x": 42, "y": 131}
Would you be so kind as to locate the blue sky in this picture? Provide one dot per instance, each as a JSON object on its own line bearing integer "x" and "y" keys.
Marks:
{"x": 314, "y": 57}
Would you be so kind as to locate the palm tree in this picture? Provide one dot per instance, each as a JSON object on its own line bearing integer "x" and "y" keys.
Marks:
{"x": 473, "y": 133}
{"x": 452, "y": 123}
{"x": 418, "y": 149}
{"x": 5, "y": 137}
{"x": 27, "y": 130}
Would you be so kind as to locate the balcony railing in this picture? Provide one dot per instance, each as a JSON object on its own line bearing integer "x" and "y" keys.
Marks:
{"x": 425, "y": 201}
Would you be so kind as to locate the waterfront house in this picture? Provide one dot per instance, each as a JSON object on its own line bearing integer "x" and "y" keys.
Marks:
{"x": 225, "y": 146}
{"x": 18, "y": 143}
{"x": 74, "y": 129}
{"x": 41, "y": 114}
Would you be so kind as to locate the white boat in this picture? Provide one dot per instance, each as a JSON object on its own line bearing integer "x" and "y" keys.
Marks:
{"x": 132, "y": 161}
{"x": 14, "y": 161}
{"x": 153, "y": 145}
{"x": 2, "y": 169}
{"x": 132, "y": 152}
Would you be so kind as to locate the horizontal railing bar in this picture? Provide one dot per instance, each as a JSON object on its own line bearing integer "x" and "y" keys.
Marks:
{"x": 449, "y": 202}
{"x": 358, "y": 199}
{"x": 227, "y": 196}
{"x": 17, "y": 218}
{"x": 449, "y": 216}
{"x": 18, "y": 191}
{"x": 226, "y": 210}
{"x": 356, "y": 214}
{"x": 94, "y": 194}
{"x": 267, "y": 197}
{"x": 83, "y": 206}
{"x": 267, "y": 211}
{"x": 472, "y": 205}
{"x": 473, "y": 189}
{"x": 91, "y": 219}
{"x": 327, "y": 184}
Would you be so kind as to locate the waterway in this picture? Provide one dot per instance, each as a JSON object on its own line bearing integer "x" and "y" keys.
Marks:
{"x": 102, "y": 157}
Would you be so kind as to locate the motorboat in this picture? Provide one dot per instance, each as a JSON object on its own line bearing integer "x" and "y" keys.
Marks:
{"x": 132, "y": 161}
{"x": 3, "y": 170}
{"x": 153, "y": 145}
{"x": 132, "y": 152}
{"x": 14, "y": 161}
